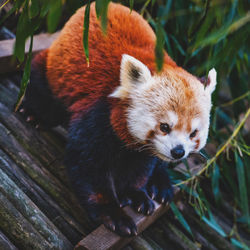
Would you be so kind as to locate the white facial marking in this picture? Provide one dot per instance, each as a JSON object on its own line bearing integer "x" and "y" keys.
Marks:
{"x": 195, "y": 124}
{"x": 173, "y": 118}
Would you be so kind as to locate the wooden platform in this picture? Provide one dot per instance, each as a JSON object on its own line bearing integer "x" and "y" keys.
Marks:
{"x": 38, "y": 209}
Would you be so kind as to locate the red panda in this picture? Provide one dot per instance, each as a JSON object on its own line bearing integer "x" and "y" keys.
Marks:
{"x": 126, "y": 120}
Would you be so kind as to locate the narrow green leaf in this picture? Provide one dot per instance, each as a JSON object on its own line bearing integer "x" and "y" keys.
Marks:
{"x": 169, "y": 48}
{"x": 45, "y": 8}
{"x": 86, "y": 32}
{"x": 11, "y": 11}
{"x": 220, "y": 34}
{"x": 159, "y": 47}
{"x": 242, "y": 186}
{"x": 101, "y": 12}
{"x": 213, "y": 224}
{"x": 34, "y": 8}
{"x": 23, "y": 31}
{"x": 180, "y": 217}
{"x": 131, "y": 5}
{"x": 239, "y": 244}
{"x": 178, "y": 45}
{"x": 216, "y": 182}
{"x": 98, "y": 8}
{"x": 54, "y": 14}
{"x": 26, "y": 76}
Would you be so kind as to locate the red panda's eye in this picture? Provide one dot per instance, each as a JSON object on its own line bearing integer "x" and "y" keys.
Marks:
{"x": 193, "y": 134}
{"x": 164, "y": 127}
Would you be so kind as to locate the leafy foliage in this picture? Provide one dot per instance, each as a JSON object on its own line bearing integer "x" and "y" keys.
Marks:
{"x": 198, "y": 35}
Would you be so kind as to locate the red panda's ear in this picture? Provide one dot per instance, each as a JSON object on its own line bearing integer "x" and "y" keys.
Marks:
{"x": 132, "y": 72}
{"x": 211, "y": 81}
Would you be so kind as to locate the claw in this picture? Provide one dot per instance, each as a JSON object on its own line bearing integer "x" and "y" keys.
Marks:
{"x": 112, "y": 227}
{"x": 139, "y": 209}
{"x": 127, "y": 230}
{"x": 29, "y": 119}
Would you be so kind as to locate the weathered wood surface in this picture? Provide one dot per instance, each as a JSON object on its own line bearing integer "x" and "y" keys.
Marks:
{"x": 8, "y": 63}
{"x": 5, "y": 243}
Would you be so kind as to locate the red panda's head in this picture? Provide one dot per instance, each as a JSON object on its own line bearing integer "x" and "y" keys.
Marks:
{"x": 168, "y": 112}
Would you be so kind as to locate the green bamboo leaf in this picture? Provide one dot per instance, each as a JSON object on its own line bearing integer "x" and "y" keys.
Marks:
{"x": 168, "y": 45}
{"x": 45, "y": 8}
{"x": 159, "y": 47}
{"x": 10, "y": 12}
{"x": 54, "y": 14}
{"x": 98, "y": 8}
{"x": 86, "y": 32}
{"x": 101, "y": 12}
{"x": 26, "y": 76}
{"x": 34, "y": 8}
{"x": 247, "y": 163}
{"x": 216, "y": 182}
{"x": 178, "y": 45}
{"x": 220, "y": 34}
{"x": 180, "y": 217}
{"x": 239, "y": 244}
{"x": 131, "y": 5}
{"x": 240, "y": 169}
{"x": 213, "y": 224}
{"x": 23, "y": 31}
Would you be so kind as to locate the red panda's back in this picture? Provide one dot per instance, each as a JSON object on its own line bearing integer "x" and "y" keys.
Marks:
{"x": 67, "y": 71}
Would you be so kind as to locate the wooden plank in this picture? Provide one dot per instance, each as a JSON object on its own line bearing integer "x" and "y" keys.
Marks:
{"x": 65, "y": 223}
{"x": 9, "y": 64}
{"x": 33, "y": 214}
{"x": 39, "y": 174}
{"x": 18, "y": 229}
{"x": 5, "y": 243}
{"x": 102, "y": 238}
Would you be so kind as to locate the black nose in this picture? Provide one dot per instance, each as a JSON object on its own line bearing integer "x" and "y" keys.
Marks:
{"x": 178, "y": 152}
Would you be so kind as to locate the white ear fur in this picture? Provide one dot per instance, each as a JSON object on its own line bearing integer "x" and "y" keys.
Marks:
{"x": 132, "y": 72}
{"x": 211, "y": 81}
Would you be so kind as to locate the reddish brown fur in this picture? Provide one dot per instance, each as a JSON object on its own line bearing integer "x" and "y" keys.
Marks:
{"x": 150, "y": 135}
{"x": 141, "y": 182}
{"x": 197, "y": 144}
{"x": 97, "y": 198}
{"x": 79, "y": 86}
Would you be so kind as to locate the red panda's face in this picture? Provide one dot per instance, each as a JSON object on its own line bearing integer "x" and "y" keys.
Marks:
{"x": 168, "y": 112}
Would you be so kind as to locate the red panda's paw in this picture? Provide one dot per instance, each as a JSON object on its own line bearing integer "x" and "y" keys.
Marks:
{"x": 163, "y": 194}
{"x": 125, "y": 202}
{"x": 142, "y": 203}
{"x": 120, "y": 223}
{"x": 29, "y": 118}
